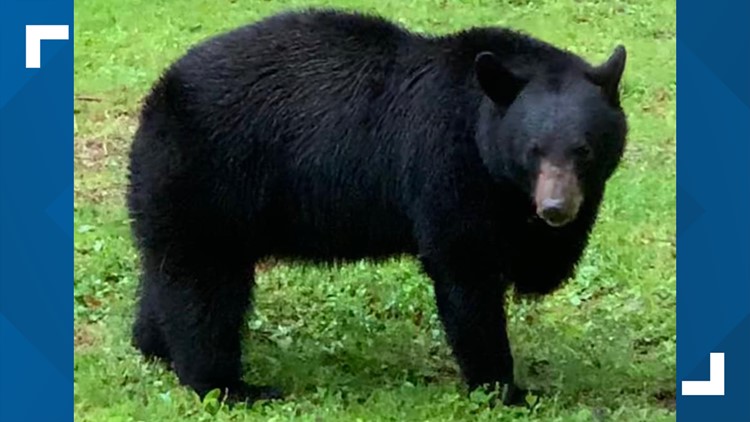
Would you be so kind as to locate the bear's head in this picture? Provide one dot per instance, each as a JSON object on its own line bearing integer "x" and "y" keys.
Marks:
{"x": 558, "y": 134}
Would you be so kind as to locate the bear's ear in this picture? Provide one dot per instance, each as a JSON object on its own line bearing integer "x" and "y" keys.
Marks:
{"x": 608, "y": 74}
{"x": 499, "y": 84}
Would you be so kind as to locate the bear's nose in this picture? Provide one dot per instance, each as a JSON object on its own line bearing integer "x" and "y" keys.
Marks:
{"x": 553, "y": 212}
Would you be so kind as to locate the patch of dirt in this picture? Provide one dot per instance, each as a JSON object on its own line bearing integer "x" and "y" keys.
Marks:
{"x": 85, "y": 337}
{"x": 103, "y": 132}
{"x": 660, "y": 103}
{"x": 101, "y": 144}
{"x": 99, "y": 195}
{"x": 266, "y": 265}
{"x": 90, "y": 153}
{"x": 667, "y": 399}
{"x": 663, "y": 34}
{"x": 639, "y": 152}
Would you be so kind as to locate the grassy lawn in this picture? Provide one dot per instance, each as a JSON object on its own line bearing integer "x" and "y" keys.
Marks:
{"x": 363, "y": 342}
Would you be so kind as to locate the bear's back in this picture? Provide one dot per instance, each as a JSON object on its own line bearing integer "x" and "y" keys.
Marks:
{"x": 293, "y": 63}
{"x": 308, "y": 115}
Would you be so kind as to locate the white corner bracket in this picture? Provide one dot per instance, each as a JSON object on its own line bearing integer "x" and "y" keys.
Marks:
{"x": 34, "y": 36}
{"x": 715, "y": 384}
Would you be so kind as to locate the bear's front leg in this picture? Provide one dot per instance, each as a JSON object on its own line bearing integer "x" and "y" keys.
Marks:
{"x": 471, "y": 308}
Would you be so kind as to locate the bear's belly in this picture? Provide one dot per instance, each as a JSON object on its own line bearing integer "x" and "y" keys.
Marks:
{"x": 345, "y": 235}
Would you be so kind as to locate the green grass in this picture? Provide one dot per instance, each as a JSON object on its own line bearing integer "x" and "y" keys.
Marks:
{"x": 362, "y": 342}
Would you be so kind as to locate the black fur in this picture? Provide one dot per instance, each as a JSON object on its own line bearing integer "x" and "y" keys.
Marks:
{"x": 330, "y": 136}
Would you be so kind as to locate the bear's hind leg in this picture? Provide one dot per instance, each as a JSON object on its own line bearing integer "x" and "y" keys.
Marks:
{"x": 203, "y": 300}
{"x": 147, "y": 334}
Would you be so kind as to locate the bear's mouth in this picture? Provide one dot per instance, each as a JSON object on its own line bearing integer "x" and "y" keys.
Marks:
{"x": 556, "y": 219}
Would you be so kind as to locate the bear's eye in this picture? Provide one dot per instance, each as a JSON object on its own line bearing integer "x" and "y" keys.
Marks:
{"x": 583, "y": 151}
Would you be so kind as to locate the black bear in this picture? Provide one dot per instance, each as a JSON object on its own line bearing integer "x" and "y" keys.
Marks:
{"x": 332, "y": 136}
